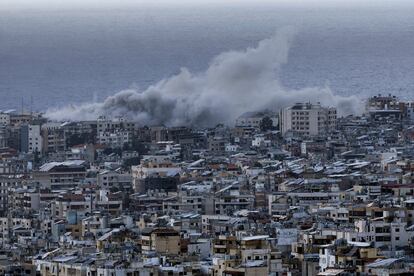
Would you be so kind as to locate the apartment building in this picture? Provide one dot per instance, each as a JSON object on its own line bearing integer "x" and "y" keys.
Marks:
{"x": 114, "y": 133}
{"x": 160, "y": 240}
{"x": 53, "y": 137}
{"x": 4, "y": 135}
{"x": 61, "y": 175}
{"x": 31, "y": 138}
{"x": 250, "y": 255}
{"x": 306, "y": 119}
{"x": 155, "y": 173}
{"x": 4, "y": 118}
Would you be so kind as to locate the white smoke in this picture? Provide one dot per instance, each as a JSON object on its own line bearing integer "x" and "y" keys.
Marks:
{"x": 234, "y": 82}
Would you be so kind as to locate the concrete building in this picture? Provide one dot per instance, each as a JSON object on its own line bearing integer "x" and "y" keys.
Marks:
{"x": 254, "y": 119}
{"x": 113, "y": 179}
{"x": 61, "y": 175}
{"x": 161, "y": 240}
{"x": 31, "y": 139}
{"x": 3, "y": 136}
{"x": 53, "y": 137}
{"x": 217, "y": 145}
{"x": 117, "y": 139}
{"x": 306, "y": 119}
{"x": 155, "y": 173}
{"x": 4, "y": 118}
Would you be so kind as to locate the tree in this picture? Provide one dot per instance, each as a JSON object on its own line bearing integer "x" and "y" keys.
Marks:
{"x": 266, "y": 124}
{"x": 133, "y": 161}
{"x": 82, "y": 138}
{"x": 138, "y": 146}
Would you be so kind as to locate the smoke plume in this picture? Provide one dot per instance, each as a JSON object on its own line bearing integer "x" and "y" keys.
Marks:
{"x": 234, "y": 82}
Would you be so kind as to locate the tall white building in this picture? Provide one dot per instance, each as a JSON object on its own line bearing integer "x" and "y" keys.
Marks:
{"x": 35, "y": 140}
{"x": 307, "y": 119}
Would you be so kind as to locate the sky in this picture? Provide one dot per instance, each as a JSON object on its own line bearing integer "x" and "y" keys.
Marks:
{"x": 59, "y": 4}
{"x": 66, "y": 53}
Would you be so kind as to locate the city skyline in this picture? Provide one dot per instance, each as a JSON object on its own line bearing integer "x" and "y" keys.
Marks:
{"x": 224, "y": 138}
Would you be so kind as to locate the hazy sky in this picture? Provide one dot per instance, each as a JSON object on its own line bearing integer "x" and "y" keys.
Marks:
{"x": 62, "y": 52}
{"x": 11, "y": 4}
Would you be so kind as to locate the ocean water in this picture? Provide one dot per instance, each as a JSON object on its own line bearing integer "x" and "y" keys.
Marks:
{"x": 52, "y": 58}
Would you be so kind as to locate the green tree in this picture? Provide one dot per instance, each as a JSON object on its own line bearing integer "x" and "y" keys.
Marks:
{"x": 266, "y": 124}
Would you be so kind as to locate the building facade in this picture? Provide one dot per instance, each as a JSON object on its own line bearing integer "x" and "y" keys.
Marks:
{"x": 306, "y": 119}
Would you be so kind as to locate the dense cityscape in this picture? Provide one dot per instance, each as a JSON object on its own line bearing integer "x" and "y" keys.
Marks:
{"x": 296, "y": 191}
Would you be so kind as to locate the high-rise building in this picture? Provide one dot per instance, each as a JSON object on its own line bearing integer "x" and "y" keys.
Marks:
{"x": 307, "y": 119}
{"x": 53, "y": 137}
{"x": 31, "y": 138}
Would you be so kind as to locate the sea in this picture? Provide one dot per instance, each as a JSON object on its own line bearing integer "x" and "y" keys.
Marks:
{"x": 57, "y": 57}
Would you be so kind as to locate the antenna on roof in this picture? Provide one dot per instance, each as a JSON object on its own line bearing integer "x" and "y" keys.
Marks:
{"x": 31, "y": 105}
